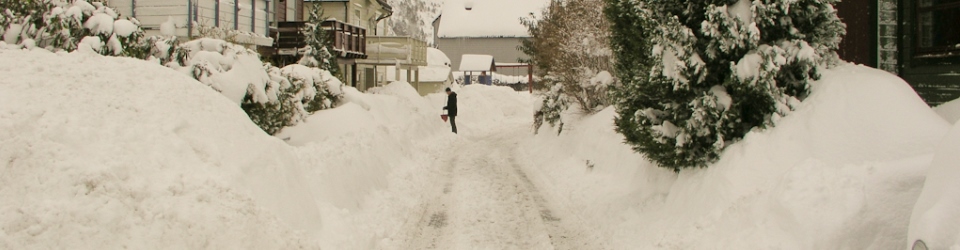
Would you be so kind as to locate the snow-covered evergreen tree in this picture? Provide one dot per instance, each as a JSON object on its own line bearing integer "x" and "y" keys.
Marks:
{"x": 698, "y": 75}
{"x": 317, "y": 52}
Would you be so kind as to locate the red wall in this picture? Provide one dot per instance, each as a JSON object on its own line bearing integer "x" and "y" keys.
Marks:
{"x": 858, "y": 45}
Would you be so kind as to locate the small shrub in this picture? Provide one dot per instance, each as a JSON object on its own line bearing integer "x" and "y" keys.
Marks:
{"x": 64, "y": 25}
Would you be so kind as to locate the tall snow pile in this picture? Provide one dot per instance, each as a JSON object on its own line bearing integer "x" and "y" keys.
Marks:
{"x": 842, "y": 172}
{"x": 371, "y": 157}
{"x": 480, "y": 106}
{"x": 109, "y": 153}
{"x": 937, "y": 211}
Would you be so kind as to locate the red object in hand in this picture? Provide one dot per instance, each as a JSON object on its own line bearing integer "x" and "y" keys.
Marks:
{"x": 444, "y": 117}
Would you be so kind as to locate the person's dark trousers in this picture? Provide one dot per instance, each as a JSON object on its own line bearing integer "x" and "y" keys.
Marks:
{"x": 453, "y": 123}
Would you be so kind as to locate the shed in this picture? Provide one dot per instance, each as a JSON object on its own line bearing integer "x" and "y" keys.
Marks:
{"x": 483, "y": 64}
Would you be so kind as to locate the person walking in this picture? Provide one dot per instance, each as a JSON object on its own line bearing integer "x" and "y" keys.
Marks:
{"x": 452, "y": 109}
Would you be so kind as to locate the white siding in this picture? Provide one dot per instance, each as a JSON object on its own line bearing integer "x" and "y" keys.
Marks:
{"x": 152, "y": 13}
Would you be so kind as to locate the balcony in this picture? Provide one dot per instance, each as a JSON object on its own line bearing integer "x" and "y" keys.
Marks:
{"x": 391, "y": 50}
{"x": 346, "y": 41}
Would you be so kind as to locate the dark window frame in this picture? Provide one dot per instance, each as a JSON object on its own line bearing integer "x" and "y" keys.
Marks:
{"x": 934, "y": 51}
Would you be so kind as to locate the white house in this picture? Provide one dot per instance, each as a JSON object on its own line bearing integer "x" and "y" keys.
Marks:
{"x": 253, "y": 17}
{"x": 487, "y": 27}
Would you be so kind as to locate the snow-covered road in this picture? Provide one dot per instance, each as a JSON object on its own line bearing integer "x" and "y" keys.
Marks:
{"x": 484, "y": 200}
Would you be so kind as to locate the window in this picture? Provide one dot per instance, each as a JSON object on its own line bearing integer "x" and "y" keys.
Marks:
{"x": 938, "y": 28}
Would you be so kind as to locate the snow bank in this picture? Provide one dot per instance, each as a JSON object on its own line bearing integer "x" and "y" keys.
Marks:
{"x": 109, "y": 153}
{"x": 949, "y": 111}
{"x": 371, "y": 158}
{"x": 435, "y": 57}
{"x": 937, "y": 212}
{"x": 841, "y": 172}
{"x": 481, "y": 106}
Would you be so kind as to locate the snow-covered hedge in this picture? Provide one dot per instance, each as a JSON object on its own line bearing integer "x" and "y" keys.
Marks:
{"x": 591, "y": 92}
{"x": 70, "y": 25}
{"x": 698, "y": 75}
{"x": 274, "y": 98}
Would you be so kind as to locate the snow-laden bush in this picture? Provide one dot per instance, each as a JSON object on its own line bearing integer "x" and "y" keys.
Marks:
{"x": 698, "y": 75}
{"x": 70, "y": 25}
{"x": 274, "y": 98}
{"x": 550, "y": 110}
{"x": 569, "y": 43}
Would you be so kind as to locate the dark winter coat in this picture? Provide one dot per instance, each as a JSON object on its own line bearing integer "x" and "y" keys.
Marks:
{"x": 451, "y": 104}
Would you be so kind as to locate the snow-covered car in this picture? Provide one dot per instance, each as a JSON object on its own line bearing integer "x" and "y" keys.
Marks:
{"x": 935, "y": 223}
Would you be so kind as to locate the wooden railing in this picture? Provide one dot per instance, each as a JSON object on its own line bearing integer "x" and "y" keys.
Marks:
{"x": 346, "y": 41}
{"x": 349, "y": 40}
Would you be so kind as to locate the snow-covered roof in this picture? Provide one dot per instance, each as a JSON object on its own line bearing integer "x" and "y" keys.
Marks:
{"x": 476, "y": 63}
{"x": 435, "y": 57}
{"x": 488, "y": 18}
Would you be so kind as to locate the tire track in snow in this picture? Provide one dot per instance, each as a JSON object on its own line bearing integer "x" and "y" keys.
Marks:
{"x": 564, "y": 234}
{"x": 433, "y": 217}
{"x": 488, "y": 202}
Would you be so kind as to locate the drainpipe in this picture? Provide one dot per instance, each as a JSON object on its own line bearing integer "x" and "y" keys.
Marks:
{"x": 190, "y": 19}
{"x": 384, "y": 16}
{"x": 253, "y": 16}
{"x": 236, "y": 14}
{"x": 266, "y": 12}
{"x": 216, "y": 15}
{"x": 346, "y": 12}
{"x": 133, "y": 8}
{"x": 381, "y": 17}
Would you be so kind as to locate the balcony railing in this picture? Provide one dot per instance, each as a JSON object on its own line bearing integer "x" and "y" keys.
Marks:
{"x": 346, "y": 41}
{"x": 390, "y": 49}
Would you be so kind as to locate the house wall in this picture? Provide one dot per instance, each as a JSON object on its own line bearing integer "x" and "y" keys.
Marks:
{"x": 361, "y": 13}
{"x": 857, "y": 46}
{"x": 252, "y": 16}
{"x": 937, "y": 80}
{"x": 336, "y": 10}
{"x": 503, "y": 50}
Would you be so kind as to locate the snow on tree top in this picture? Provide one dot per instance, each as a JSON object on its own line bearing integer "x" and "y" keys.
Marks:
{"x": 487, "y": 18}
